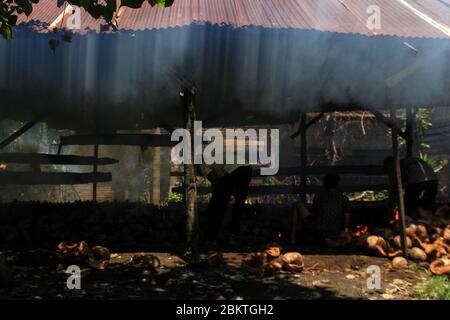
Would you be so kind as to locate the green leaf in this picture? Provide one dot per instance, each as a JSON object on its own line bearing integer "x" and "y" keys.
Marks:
{"x": 6, "y": 31}
{"x": 12, "y": 20}
{"x": 26, "y": 6}
{"x": 132, "y": 3}
{"x": 53, "y": 44}
{"x": 161, "y": 3}
{"x": 95, "y": 11}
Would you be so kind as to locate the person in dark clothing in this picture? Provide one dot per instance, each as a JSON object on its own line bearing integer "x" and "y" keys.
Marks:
{"x": 419, "y": 181}
{"x": 328, "y": 218}
{"x": 226, "y": 180}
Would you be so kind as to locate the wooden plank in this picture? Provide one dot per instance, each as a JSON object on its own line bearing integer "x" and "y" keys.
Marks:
{"x": 399, "y": 187}
{"x": 309, "y": 124}
{"x": 40, "y": 158}
{"x": 142, "y": 140}
{"x": 391, "y": 123}
{"x": 287, "y": 189}
{"x": 17, "y": 134}
{"x": 52, "y": 178}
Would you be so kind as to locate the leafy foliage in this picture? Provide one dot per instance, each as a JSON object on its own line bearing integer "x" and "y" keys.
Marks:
{"x": 11, "y": 9}
{"x": 435, "y": 288}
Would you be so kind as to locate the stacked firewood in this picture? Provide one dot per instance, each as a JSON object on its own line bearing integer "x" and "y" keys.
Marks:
{"x": 428, "y": 242}
{"x": 271, "y": 260}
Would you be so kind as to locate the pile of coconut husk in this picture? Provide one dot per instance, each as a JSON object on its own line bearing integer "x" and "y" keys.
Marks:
{"x": 428, "y": 242}
{"x": 271, "y": 260}
{"x": 97, "y": 257}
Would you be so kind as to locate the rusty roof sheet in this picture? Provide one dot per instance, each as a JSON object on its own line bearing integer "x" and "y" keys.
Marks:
{"x": 404, "y": 18}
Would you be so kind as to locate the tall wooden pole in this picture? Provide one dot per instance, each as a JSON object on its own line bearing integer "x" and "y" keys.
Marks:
{"x": 188, "y": 98}
{"x": 398, "y": 185}
{"x": 303, "y": 157}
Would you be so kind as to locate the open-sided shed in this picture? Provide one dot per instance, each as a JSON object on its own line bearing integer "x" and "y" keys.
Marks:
{"x": 264, "y": 61}
{"x": 252, "y": 61}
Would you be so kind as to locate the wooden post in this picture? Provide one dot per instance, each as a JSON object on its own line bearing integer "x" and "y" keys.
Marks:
{"x": 303, "y": 157}
{"x": 94, "y": 185}
{"x": 156, "y": 173}
{"x": 398, "y": 185}
{"x": 190, "y": 185}
{"x": 410, "y": 131}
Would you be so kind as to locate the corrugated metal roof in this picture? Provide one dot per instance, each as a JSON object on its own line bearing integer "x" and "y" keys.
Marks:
{"x": 403, "y": 18}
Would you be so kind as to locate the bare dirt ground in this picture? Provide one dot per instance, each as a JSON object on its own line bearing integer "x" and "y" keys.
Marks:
{"x": 38, "y": 274}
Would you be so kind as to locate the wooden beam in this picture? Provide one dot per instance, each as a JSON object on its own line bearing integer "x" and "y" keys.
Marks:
{"x": 399, "y": 187}
{"x": 190, "y": 184}
{"x": 391, "y": 123}
{"x": 17, "y": 134}
{"x": 369, "y": 170}
{"x": 40, "y": 158}
{"x": 142, "y": 140}
{"x": 309, "y": 124}
{"x": 52, "y": 178}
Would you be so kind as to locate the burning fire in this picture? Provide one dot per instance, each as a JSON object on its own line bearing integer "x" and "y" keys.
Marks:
{"x": 2, "y": 166}
{"x": 279, "y": 235}
{"x": 360, "y": 231}
{"x": 396, "y": 216}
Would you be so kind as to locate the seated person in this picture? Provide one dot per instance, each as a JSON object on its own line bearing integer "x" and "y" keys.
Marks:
{"x": 419, "y": 181}
{"x": 328, "y": 218}
{"x": 226, "y": 180}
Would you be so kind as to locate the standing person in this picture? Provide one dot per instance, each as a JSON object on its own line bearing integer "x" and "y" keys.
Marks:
{"x": 226, "y": 180}
{"x": 419, "y": 181}
{"x": 328, "y": 218}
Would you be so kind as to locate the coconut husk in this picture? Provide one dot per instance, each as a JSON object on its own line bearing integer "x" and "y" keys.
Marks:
{"x": 256, "y": 263}
{"x": 273, "y": 250}
{"x": 146, "y": 259}
{"x": 446, "y": 234}
{"x": 397, "y": 241}
{"x": 441, "y": 266}
{"x": 293, "y": 261}
{"x": 98, "y": 257}
{"x": 417, "y": 254}
{"x": 411, "y": 230}
{"x": 399, "y": 263}
{"x": 376, "y": 244}
{"x": 422, "y": 233}
{"x": 75, "y": 252}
